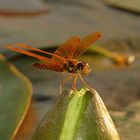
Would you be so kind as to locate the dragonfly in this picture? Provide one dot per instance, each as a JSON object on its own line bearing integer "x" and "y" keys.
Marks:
{"x": 64, "y": 59}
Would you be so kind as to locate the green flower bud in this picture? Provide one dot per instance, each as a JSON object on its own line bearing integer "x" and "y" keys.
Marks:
{"x": 79, "y": 115}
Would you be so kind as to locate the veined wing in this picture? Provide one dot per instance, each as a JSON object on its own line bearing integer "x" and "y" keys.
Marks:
{"x": 21, "y": 45}
{"x": 85, "y": 44}
{"x": 50, "y": 64}
{"x": 67, "y": 49}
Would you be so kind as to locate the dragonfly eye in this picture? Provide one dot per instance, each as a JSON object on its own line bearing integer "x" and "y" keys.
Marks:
{"x": 80, "y": 65}
{"x": 84, "y": 67}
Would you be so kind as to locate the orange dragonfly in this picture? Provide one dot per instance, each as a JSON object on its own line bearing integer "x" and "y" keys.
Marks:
{"x": 64, "y": 59}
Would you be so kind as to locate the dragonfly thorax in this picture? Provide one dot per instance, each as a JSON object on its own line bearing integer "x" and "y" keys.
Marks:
{"x": 73, "y": 66}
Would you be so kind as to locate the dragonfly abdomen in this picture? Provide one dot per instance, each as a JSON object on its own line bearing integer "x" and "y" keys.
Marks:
{"x": 40, "y": 66}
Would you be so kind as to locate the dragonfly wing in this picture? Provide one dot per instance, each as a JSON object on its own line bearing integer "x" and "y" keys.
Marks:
{"x": 85, "y": 44}
{"x": 25, "y": 46}
{"x": 50, "y": 64}
{"x": 67, "y": 49}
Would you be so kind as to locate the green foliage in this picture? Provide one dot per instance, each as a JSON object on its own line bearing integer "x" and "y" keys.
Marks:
{"x": 15, "y": 95}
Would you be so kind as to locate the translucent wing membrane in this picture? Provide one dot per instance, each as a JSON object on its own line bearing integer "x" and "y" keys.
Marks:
{"x": 50, "y": 64}
{"x": 73, "y": 47}
{"x": 85, "y": 44}
{"x": 67, "y": 49}
{"x": 21, "y": 45}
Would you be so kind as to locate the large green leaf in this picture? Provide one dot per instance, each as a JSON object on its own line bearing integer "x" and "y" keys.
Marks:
{"x": 77, "y": 115}
{"x": 130, "y": 5}
{"x": 15, "y": 96}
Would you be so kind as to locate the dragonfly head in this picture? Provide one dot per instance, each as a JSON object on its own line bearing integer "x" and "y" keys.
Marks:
{"x": 83, "y": 67}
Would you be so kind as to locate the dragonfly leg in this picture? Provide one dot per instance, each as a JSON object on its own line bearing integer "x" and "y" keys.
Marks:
{"x": 74, "y": 82}
{"x": 63, "y": 82}
{"x": 82, "y": 80}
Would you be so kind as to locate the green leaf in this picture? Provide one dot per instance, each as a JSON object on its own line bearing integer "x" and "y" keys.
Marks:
{"x": 130, "y": 5}
{"x": 77, "y": 115}
{"x": 15, "y": 96}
